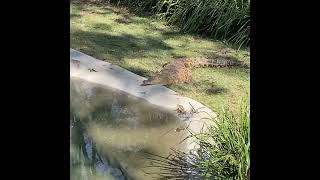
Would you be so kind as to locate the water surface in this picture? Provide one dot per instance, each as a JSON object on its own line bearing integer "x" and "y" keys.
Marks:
{"x": 112, "y": 133}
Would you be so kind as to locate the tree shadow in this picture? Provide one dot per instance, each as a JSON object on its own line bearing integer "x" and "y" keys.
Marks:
{"x": 123, "y": 21}
{"x": 170, "y": 34}
{"x": 139, "y": 71}
{"x": 73, "y": 16}
{"x": 102, "y": 26}
{"x": 216, "y": 90}
{"x": 116, "y": 48}
{"x": 84, "y": 5}
{"x": 210, "y": 87}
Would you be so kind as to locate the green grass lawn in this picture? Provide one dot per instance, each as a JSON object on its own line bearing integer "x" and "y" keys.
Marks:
{"x": 143, "y": 44}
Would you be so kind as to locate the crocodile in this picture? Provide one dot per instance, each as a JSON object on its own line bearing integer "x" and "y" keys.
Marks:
{"x": 180, "y": 70}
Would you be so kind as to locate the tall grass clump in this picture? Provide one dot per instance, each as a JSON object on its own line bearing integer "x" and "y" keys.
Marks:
{"x": 222, "y": 19}
{"x": 228, "y": 20}
{"x": 225, "y": 149}
{"x": 224, "y": 152}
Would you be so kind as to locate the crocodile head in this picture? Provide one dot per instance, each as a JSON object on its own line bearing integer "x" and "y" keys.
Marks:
{"x": 146, "y": 82}
{"x": 156, "y": 79}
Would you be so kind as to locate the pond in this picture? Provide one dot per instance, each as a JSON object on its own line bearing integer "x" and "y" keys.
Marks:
{"x": 113, "y": 134}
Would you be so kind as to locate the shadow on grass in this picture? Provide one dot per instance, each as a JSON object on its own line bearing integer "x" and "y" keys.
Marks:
{"x": 123, "y": 21}
{"x": 139, "y": 71}
{"x": 73, "y": 16}
{"x": 102, "y": 26}
{"x": 210, "y": 87}
{"x": 216, "y": 90}
{"x": 84, "y": 5}
{"x": 116, "y": 48}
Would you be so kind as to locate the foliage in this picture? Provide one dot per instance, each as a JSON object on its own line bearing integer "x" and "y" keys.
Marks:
{"x": 228, "y": 20}
{"x": 224, "y": 151}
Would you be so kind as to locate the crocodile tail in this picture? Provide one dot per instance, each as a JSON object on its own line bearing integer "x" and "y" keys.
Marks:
{"x": 217, "y": 62}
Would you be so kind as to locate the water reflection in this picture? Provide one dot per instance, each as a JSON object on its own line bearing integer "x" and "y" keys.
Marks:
{"x": 111, "y": 132}
{"x": 86, "y": 162}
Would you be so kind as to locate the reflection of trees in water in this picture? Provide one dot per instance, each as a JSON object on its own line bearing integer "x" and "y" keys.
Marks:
{"x": 85, "y": 159}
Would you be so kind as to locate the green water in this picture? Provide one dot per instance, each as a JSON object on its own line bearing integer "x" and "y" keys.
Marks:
{"x": 113, "y": 133}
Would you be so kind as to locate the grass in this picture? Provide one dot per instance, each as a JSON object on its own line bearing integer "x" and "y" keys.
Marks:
{"x": 143, "y": 44}
{"x": 228, "y": 20}
{"x": 229, "y": 156}
{"x": 224, "y": 152}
